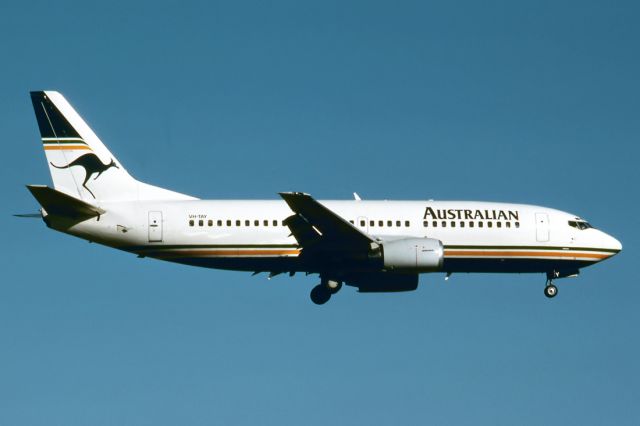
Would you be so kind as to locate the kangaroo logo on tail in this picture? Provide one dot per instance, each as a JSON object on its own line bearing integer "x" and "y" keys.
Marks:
{"x": 91, "y": 164}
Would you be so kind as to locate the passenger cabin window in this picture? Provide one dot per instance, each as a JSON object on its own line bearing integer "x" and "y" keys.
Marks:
{"x": 372, "y": 222}
{"x": 471, "y": 224}
{"x": 489, "y": 224}
{"x": 210, "y": 222}
{"x": 389, "y": 223}
{"x": 265, "y": 222}
{"x": 426, "y": 223}
{"x": 275, "y": 223}
{"x": 200, "y": 222}
{"x": 238, "y": 223}
{"x": 362, "y": 223}
{"x": 381, "y": 223}
{"x": 191, "y": 222}
{"x": 398, "y": 224}
{"x": 435, "y": 224}
{"x": 406, "y": 223}
{"x": 219, "y": 222}
{"x": 499, "y": 224}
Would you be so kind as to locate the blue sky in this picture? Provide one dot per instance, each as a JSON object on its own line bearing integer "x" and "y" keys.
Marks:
{"x": 505, "y": 101}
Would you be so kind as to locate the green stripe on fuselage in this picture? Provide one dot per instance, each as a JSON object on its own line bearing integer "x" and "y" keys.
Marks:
{"x": 74, "y": 141}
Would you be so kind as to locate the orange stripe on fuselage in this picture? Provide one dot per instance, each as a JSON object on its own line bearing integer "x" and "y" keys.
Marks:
{"x": 226, "y": 253}
{"x": 488, "y": 253}
{"x": 66, "y": 147}
{"x": 448, "y": 253}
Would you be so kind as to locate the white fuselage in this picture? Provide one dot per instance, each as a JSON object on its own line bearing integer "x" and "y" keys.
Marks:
{"x": 251, "y": 236}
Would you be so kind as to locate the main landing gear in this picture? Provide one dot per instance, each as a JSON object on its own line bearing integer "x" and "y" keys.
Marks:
{"x": 323, "y": 291}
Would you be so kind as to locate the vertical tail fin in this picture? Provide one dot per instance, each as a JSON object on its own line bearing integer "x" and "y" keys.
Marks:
{"x": 80, "y": 164}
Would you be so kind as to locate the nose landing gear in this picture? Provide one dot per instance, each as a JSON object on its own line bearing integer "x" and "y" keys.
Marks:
{"x": 550, "y": 290}
{"x": 321, "y": 293}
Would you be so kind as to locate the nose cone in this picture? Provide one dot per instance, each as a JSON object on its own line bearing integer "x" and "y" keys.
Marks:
{"x": 611, "y": 244}
{"x": 614, "y": 244}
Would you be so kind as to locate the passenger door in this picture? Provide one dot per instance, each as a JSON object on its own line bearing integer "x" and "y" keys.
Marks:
{"x": 542, "y": 227}
{"x": 155, "y": 227}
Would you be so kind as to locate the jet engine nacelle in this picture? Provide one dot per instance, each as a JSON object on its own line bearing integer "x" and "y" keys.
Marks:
{"x": 413, "y": 255}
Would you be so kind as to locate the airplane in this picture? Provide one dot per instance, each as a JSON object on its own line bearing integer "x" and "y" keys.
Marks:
{"x": 375, "y": 246}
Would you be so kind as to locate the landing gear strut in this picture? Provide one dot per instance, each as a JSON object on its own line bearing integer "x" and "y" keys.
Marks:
{"x": 321, "y": 293}
{"x": 551, "y": 290}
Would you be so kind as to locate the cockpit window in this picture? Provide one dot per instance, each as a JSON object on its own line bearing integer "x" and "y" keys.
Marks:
{"x": 580, "y": 224}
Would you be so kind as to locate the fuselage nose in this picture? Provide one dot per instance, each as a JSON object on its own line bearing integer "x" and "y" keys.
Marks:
{"x": 614, "y": 244}
{"x": 609, "y": 243}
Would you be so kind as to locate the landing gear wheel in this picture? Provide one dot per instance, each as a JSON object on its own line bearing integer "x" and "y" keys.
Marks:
{"x": 550, "y": 291}
{"x": 334, "y": 286}
{"x": 320, "y": 294}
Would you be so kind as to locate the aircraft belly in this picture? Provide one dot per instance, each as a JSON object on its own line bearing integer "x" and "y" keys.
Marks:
{"x": 519, "y": 258}
{"x": 252, "y": 264}
{"x": 511, "y": 265}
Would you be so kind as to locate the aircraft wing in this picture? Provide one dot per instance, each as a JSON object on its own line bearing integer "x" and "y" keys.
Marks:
{"x": 314, "y": 225}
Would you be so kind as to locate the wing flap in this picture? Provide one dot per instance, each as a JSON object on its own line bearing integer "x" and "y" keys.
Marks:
{"x": 302, "y": 231}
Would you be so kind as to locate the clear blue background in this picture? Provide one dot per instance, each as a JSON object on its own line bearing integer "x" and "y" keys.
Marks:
{"x": 509, "y": 101}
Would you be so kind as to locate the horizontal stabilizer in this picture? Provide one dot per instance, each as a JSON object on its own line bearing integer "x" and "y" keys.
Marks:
{"x": 60, "y": 204}
{"x": 29, "y": 215}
